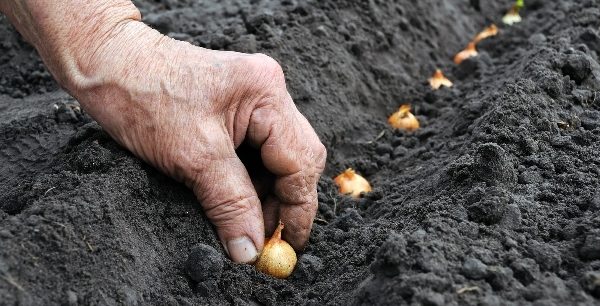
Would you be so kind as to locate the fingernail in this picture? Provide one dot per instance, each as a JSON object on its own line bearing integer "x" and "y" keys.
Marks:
{"x": 242, "y": 250}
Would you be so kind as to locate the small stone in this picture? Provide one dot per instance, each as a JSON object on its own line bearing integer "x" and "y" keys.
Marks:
{"x": 204, "y": 263}
{"x": 474, "y": 269}
{"x": 321, "y": 31}
{"x": 591, "y": 283}
{"x": 308, "y": 268}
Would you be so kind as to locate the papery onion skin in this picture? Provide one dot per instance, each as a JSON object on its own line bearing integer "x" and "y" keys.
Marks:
{"x": 438, "y": 80}
{"x": 404, "y": 119}
{"x": 490, "y": 31}
{"x": 469, "y": 51}
{"x": 511, "y": 18}
{"x": 352, "y": 184}
{"x": 278, "y": 258}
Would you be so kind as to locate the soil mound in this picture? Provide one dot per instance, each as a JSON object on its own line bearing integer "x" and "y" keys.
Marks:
{"x": 494, "y": 201}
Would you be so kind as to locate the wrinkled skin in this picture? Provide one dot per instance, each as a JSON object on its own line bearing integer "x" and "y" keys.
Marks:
{"x": 185, "y": 110}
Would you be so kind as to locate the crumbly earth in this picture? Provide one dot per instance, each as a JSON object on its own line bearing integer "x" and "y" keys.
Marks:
{"x": 494, "y": 201}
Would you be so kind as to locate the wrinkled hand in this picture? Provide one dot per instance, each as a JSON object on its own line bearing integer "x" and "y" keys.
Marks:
{"x": 186, "y": 110}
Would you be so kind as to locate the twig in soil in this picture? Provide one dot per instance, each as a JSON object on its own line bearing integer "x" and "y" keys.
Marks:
{"x": 45, "y": 193}
{"x": 12, "y": 282}
{"x": 88, "y": 244}
{"x": 321, "y": 220}
{"x": 467, "y": 289}
{"x": 59, "y": 224}
{"x": 376, "y": 138}
{"x": 563, "y": 125}
{"x": 334, "y": 203}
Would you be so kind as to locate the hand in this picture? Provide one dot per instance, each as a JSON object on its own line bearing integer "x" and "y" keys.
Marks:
{"x": 185, "y": 110}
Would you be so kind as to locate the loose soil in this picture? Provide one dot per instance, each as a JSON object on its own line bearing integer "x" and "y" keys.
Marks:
{"x": 494, "y": 201}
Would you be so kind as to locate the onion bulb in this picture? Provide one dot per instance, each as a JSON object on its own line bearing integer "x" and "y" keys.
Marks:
{"x": 351, "y": 183}
{"x": 490, "y": 31}
{"x": 404, "y": 119}
{"x": 469, "y": 51}
{"x": 438, "y": 80}
{"x": 278, "y": 258}
{"x": 512, "y": 16}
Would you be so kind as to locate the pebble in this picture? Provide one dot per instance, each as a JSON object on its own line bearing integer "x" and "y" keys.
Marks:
{"x": 204, "y": 263}
{"x": 474, "y": 269}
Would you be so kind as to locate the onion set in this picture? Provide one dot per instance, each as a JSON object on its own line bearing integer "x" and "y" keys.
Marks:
{"x": 512, "y": 16}
{"x": 351, "y": 183}
{"x": 469, "y": 51}
{"x": 278, "y": 258}
{"x": 490, "y": 31}
{"x": 438, "y": 80}
{"x": 404, "y": 119}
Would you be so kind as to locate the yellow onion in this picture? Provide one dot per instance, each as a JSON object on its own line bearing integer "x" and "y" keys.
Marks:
{"x": 278, "y": 258}
{"x": 490, "y": 31}
{"x": 469, "y": 51}
{"x": 512, "y": 16}
{"x": 351, "y": 183}
{"x": 404, "y": 119}
{"x": 438, "y": 80}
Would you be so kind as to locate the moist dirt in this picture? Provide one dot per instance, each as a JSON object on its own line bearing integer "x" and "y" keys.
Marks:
{"x": 494, "y": 201}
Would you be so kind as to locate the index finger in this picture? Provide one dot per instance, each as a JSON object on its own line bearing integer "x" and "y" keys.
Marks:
{"x": 292, "y": 151}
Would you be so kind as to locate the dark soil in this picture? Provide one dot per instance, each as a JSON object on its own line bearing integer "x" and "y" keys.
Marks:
{"x": 494, "y": 201}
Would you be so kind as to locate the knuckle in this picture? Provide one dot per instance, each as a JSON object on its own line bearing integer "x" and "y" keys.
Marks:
{"x": 268, "y": 67}
{"x": 230, "y": 210}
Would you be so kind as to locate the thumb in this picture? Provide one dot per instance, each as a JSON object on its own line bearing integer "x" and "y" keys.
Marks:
{"x": 229, "y": 200}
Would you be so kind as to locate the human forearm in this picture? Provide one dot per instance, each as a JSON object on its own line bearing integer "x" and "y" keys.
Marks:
{"x": 67, "y": 33}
